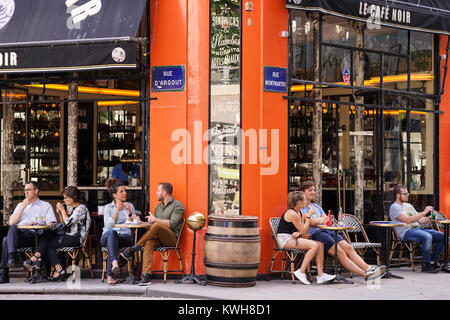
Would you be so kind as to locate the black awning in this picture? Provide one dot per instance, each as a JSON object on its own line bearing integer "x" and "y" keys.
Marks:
{"x": 421, "y": 15}
{"x": 61, "y": 35}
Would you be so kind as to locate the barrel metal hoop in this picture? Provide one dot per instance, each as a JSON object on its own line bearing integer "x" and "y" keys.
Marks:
{"x": 230, "y": 280}
{"x": 248, "y": 266}
{"x": 233, "y": 224}
{"x": 228, "y": 237}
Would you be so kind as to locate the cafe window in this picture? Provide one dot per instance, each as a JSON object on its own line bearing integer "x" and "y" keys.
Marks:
{"x": 396, "y": 103}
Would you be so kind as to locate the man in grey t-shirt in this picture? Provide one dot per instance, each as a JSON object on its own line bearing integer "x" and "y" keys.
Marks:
{"x": 403, "y": 212}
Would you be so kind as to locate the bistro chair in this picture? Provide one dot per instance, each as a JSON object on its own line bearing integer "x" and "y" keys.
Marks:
{"x": 290, "y": 254}
{"x": 73, "y": 253}
{"x": 439, "y": 226}
{"x": 165, "y": 253}
{"x": 402, "y": 244}
{"x": 358, "y": 228}
{"x": 105, "y": 257}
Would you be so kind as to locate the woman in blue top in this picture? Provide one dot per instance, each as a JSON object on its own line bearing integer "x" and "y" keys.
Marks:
{"x": 116, "y": 212}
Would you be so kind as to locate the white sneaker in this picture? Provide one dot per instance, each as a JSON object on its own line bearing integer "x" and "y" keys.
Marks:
{"x": 301, "y": 276}
{"x": 325, "y": 278}
{"x": 375, "y": 273}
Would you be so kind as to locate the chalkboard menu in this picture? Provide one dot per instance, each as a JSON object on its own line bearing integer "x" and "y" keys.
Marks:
{"x": 225, "y": 108}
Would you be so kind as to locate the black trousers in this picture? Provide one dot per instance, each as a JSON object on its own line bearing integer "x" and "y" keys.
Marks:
{"x": 15, "y": 238}
{"x": 50, "y": 241}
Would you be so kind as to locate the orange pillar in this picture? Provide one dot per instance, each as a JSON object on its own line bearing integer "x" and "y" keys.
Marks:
{"x": 179, "y": 38}
{"x": 264, "y": 195}
{"x": 444, "y": 143}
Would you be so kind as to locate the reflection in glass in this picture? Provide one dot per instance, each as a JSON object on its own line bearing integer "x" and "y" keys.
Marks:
{"x": 303, "y": 46}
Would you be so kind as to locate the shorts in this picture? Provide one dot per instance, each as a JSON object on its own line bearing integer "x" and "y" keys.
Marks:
{"x": 327, "y": 238}
{"x": 283, "y": 238}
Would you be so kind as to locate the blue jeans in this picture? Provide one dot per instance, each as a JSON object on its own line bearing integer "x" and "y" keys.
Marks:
{"x": 426, "y": 237}
{"x": 113, "y": 241}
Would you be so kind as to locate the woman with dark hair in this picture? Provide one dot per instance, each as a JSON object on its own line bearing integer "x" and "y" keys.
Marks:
{"x": 289, "y": 235}
{"x": 76, "y": 221}
{"x": 116, "y": 212}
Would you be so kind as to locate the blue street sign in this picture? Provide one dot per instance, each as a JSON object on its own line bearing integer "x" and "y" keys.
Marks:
{"x": 275, "y": 79}
{"x": 168, "y": 78}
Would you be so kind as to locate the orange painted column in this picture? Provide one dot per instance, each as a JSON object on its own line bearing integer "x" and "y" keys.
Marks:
{"x": 264, "y": 185}
{"x": 179, "y": 38}
{"x": 444, "y": 142}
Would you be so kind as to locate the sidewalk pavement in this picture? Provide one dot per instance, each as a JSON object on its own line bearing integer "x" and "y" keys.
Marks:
{"x": 414, "y": 286}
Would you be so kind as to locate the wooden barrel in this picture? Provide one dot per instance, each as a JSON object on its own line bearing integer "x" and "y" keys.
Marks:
{"x": 232, "y": 250}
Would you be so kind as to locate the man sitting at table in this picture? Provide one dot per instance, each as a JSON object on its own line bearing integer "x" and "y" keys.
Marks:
{"x": 347, "y": 255}
{"x": 166, "y": 225}
{"x": 27, "y": 212}
{"x": 403, "y": 212}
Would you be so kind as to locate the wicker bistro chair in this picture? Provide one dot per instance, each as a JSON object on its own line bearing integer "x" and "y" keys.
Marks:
{"x": 439, "y": 226}
{"x": 352, "y": 237}
{"x": 73, "y": 253}
{"x": 290, "y": 254}
{"x": 165, "y": 253}
{"x": 105, "y": 257}
{"x": 402, "y": 244}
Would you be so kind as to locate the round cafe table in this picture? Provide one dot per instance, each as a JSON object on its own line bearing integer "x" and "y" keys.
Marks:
{"x": 133, "y": 227}
{"x": 446, "y": 224}
{"x": 34, "y": 275}
{"x": 386, "y": 225}
{"x": 336, "y": 229}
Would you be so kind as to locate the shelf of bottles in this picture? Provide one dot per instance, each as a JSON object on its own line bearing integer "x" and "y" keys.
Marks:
{"x": 301, "y": 145}
{"x": 44, "y": 141}
{"x": 117, "y": 135}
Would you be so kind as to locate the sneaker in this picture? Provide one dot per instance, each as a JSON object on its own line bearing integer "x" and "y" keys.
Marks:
{"x": 428, "y": 268}
{"x": 436, "y": 265}
{"x": 126, "y": 253}
{"x": 146, "y": 280}
{"x": 375, "y": 272}
{"x": 325, "y": 278}
{"x": 371, "y": 271}
{"x": 301, "y": 276}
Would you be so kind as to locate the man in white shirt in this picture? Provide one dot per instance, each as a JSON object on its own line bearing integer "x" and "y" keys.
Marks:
{"x": 404, "y": 212}
{"x": 30, "y": 211}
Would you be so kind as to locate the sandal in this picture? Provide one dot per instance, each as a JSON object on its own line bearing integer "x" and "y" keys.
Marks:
{"x": 30, "y": 264}
{"x": 61, "y": 276}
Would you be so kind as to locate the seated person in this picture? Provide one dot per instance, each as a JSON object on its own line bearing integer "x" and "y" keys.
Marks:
{"x": 26, "y": 213}
{"x": 403, "y": 212}
{"x": 124, "y": 170}
{"x": 347, "y": 255}
{"x": 76, "y": 221}
{"x": 116, "y": 212}
{"x": 292, "y": 226}
{"x": 165, "y": 226}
